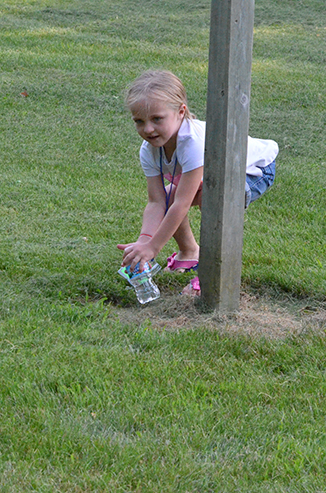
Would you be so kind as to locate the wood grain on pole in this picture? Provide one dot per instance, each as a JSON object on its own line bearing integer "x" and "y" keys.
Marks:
{"x": 228, "y": 96}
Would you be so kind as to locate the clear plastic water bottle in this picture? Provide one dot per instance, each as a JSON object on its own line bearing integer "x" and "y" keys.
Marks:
{"x": 145, "y": 288}
{"x": 142, "y": 282}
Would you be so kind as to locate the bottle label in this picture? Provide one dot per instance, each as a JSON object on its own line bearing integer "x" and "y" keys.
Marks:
{"x": 136, "y": 272}
{"x": 150, "y": 269}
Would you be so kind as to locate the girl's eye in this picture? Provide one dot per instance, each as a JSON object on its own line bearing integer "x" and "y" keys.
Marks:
{"x": 138, "y": 122}
{"x": 157, "y": 118}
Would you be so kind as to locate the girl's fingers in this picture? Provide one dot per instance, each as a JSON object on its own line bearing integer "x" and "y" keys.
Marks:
{"x": 131, "y": 256}
{"x": 134, "y": 263}
{"x": 123, "y": 246}
{"x": 127, "y": 253}
{"x": 128, "y": 258}
{"x": 131, "y": 261}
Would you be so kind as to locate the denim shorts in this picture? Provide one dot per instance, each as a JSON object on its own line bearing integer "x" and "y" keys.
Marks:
{"x": 257, "y": 185}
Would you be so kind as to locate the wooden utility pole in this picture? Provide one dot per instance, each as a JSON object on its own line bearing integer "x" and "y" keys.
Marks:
{"x": 228, "y": 97}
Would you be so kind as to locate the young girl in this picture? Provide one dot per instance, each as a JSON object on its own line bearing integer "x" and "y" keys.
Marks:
{"x": 173, "y": 149}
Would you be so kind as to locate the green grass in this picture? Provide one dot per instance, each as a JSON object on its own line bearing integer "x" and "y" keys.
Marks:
{"x": 70, "y": 152}
{"x": 90, "y": 403}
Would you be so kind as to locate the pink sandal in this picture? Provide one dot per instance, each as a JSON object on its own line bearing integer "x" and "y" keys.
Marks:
{"x": 180, "y": 265}
{"x": 193, "y": 288}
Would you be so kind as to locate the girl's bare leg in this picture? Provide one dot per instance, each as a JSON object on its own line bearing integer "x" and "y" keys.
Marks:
{"x": 188, "y": 246}
{"x": 190, "y": 289}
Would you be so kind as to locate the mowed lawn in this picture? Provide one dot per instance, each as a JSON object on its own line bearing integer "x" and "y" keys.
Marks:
{"x": 92, "y": 401}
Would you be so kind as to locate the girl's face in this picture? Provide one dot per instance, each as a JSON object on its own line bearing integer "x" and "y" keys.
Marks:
{"x": 157, "y": 123}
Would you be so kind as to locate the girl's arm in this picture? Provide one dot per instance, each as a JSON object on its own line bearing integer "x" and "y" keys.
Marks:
{"x": 161, "y": 227}
{"x": 155, "y": 208}
{"x": 153, "y": 213}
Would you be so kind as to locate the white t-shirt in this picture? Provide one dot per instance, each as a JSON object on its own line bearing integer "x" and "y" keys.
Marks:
{"x": 190, "y": 153}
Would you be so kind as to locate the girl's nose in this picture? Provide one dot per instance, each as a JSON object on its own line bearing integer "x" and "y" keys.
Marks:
{"x": 148, "y": 128}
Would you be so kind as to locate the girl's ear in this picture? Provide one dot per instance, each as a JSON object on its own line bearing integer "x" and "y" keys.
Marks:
{"x": 182, "y": 110}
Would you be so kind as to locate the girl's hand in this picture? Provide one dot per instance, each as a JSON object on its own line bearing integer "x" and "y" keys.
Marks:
{"x": 139, "y": 251}
{"x": 136, "y": 252}
{"x": 141, "y": 239}
{"x": 123, "y": 246}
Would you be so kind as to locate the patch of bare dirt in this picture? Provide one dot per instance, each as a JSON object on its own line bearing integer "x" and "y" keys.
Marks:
{"x": 258, "y": 316}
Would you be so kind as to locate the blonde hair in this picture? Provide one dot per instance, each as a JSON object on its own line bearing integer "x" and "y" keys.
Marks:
{"x": 159, "y": 85}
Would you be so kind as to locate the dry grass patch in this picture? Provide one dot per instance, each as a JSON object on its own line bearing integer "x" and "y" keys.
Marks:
{"x": 259, "y": 316}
